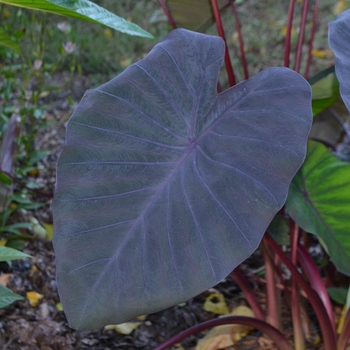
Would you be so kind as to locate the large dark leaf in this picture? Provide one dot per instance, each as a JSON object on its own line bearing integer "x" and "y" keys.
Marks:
{"x": 339, "y": 41}
{"x": 164, "y": 186}
{"x": 319, "y": 201}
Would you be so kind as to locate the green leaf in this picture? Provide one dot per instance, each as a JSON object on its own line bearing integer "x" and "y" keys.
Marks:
{"x": 5, "y": 179}
{"x": 7, "y": 297}
{"x": 324, "y": 93}
{"x": 6, "y": 40}
{"x": 319, "y": 201}
{"x": 82, "y": 9}
{"x": 7, "y": 254}
{"x": 279, "y": 230}
{"x": 338, "y": 294}
{"x": 16, "y": 227}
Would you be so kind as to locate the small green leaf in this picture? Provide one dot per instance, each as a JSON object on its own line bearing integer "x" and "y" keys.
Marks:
{"x": 6, "y": 40}
{"x": 5, "y": 179}
{"x": 279, "y": 230}
{"x": 7, "y": 254}
{"x": 324, "y": 93}
{"x": 82, "y": 9}
{"x": 7, "y": 297}
{"x": 338, "y": 294}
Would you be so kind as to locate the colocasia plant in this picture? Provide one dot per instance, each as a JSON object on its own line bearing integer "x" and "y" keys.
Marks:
{"x": 165, "y": 186}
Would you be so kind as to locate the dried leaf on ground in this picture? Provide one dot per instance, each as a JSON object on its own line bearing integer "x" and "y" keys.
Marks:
{"x": 216, "y": 303}
{"x": 224, "y": 336}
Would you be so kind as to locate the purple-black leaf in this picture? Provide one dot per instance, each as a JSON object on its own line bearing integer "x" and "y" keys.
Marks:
{"x": 164, "y": 186}
{"x": 339, "y": 41}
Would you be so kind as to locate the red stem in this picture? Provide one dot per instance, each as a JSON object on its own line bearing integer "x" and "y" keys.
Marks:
{"x": 289, "y": 34}
{"x": 299, "y": 340}
{"x": 301, "y": 36}
{"x": 220, "y": 28}
{"x": 316, "y": 282}
{"x": 272, "y": 292}
{"x": 248, "y": 292}
{"x": 312, "y": 39}
{"x": 168, "y": 14}
{"x": 240, "y": 40}
{"x": 280, "y": 340}
{"x": 345, "y": 334}
{"x": 330, "y": 338}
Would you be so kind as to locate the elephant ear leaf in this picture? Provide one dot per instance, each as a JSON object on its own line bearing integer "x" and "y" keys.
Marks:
{"x": 339, "y": 41}
{"x": 319, "y": 201}
{"x": 164, "y": 186}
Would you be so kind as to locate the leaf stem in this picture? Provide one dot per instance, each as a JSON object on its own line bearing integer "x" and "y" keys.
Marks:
{"x": 248, "y": 292}
{"x": 316, "y": 282}
{"x": 220, "y": 28}
{"x": 289, "y": 34}
{"x": 312, "y": 39}
{"x": 240, "y": 40}
{"x": 345, "y": 334}
{"x": 301, "y": 36}
{"x": 272, "y": 292}
{"x": 330, "y": 339}
{"x": 168, "y": 14}
{"x": 280, "y": 340}
{"x": 299, "y": 341}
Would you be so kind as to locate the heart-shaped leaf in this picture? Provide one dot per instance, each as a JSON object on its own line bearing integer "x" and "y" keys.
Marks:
{"x": 339, "y": 41}
{"x": 164, "y": 186}
{"x": 319, "y": 201}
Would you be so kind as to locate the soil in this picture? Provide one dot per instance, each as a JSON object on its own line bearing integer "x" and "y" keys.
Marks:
{"x": 44, "y": 327}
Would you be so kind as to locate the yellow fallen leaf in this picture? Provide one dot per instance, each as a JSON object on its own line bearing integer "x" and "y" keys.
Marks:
{"x": 33, "y": 298}
{"x": 218, "y": 338}
{"x": 319, "y": 53}
{"x": 4, "y": 279}
{"x": 339, "y": 7}
{"x": 108, "y": 33}
{"x": 221, "y": 337}
{"x": 124, "y": 328}
{"x": 284, "y": 31}
{"x": 6, "y": 14}
{"x": 216, "y": 303}
{"x": 125, "y": 62}
{"x": 3, "y": 242}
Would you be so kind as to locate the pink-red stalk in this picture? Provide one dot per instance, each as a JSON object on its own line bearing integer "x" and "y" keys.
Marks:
{"x": 168, "y": 14}
{"x": 345, "y": 333}
{"x": 301, "y": 36}
{"x": 220, "y": 28}
{"x": 316, "y": 282}
{"x": 248, "y": 292}
{"x": 280, "y": 340}
{"x": 272, "y": 292}
{"x": 240, "y": 40}
{"x": 289, "y": 34}
{"x": 312, "y": 39}
{"x": 299, "y": 340}
{"x": 329, "y": 337}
